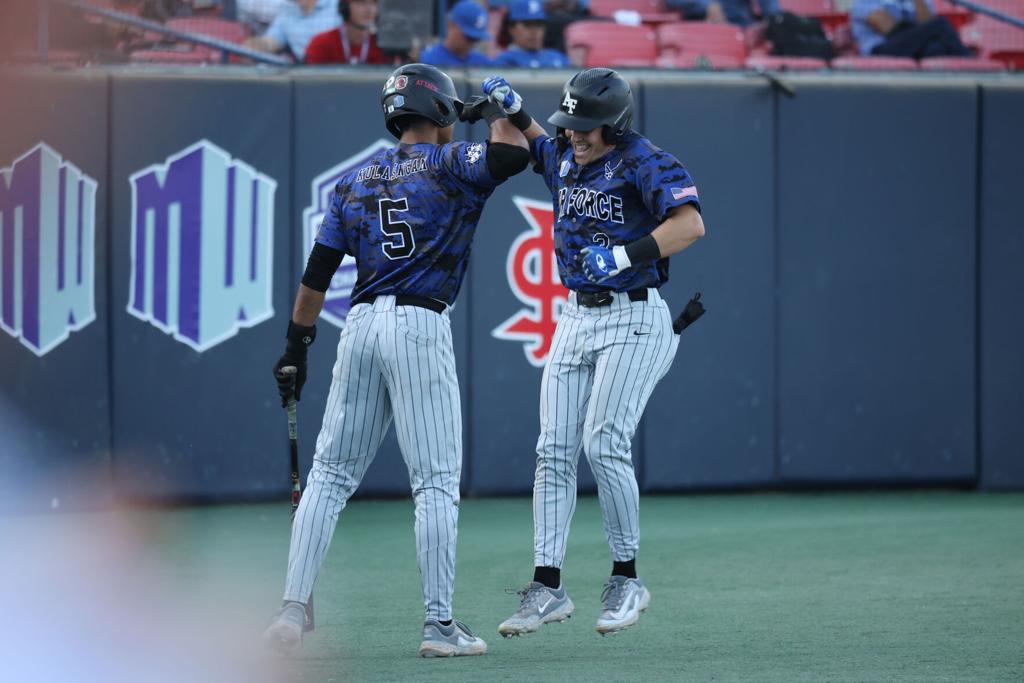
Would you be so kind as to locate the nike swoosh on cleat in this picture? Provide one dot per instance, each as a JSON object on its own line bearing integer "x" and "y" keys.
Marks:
{"x": 545, "y": 605}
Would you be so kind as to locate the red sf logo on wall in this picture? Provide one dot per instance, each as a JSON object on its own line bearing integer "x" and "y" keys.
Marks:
{"x": 533, "y": 277}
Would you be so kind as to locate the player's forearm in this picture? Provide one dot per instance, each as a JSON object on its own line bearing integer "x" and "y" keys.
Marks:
{"x": 308, "y": 304}
{"x": 505, "y": 132}
{"x": 681, "y": 229}
{"x": 263, "y": 44}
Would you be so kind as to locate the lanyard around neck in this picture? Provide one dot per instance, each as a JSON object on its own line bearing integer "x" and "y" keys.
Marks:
{"x": 347, "y": 49}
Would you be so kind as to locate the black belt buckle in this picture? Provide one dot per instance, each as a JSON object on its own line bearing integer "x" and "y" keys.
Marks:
{"x": 594, "y": 299}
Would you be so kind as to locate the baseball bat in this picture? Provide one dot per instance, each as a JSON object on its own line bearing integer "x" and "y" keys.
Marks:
{"x": 293, "y": 457}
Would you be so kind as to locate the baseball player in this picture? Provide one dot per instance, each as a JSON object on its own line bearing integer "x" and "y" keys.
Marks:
{"x": 622, "y": 207}
{"x": 408, "y": 217}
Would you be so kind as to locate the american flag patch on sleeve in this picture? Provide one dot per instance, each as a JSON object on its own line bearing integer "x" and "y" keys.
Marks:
{"x": 680, "y": 192}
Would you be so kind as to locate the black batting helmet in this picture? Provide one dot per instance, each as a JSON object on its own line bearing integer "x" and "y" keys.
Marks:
{"x": 419, "y": 90}
{"x": 594, "y": 98}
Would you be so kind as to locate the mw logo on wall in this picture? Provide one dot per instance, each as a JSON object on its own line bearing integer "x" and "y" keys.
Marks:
{"x": 202, "y": 246}
{"x": 532, "y": 273}
{"x": 339, "y": 295}
{"x": 47, "y": 249}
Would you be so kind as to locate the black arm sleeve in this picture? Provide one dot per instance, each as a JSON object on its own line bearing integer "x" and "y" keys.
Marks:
{"x": 504, "y": 160}
{"x": 323, "y": 262}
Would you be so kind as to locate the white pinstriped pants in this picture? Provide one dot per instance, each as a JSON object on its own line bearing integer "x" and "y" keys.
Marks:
{"x": 603, "y": 366}
{"x": 392, "y": 361}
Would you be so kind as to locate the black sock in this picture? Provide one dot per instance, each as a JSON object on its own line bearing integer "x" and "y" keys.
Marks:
{"x": 549, "y": 576}
{"x": 627, "y": 569}
{"x": 445, "y": 623}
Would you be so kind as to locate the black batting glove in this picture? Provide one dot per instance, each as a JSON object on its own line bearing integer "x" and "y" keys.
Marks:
{"x": 479, "y": 107}
{"x": 296, "y": 350}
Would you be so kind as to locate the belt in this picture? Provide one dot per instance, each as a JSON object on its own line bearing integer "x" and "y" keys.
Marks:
{"x": 596, "y": 299}
{"x": 413, "y": 300}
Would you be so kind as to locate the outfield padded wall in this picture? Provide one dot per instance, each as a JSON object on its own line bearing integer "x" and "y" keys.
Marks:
{"x": 876, "y": 282}
{"x": 1002, "y": 283}
{"x": 55, "y": 437}
{"x": 840, "y": 347}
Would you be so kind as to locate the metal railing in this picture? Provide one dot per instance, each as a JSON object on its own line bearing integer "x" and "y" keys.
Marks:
{"x": 987, "y": 11}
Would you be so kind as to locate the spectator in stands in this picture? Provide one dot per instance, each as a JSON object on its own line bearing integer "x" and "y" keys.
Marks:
{"x": 467, "y": 26}
{"x": 296, "y": 25}
{"x": 351, "y": 43}
{"x": 904, "y": 28}
{"x": 257, "y": 14}
{"x": 737, "y": 12}
{"x": 525, "y": 20}
{"x": 561, "y": 13}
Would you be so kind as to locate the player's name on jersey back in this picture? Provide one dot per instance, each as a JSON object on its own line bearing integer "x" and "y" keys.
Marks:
{"x": 377, "y": 172}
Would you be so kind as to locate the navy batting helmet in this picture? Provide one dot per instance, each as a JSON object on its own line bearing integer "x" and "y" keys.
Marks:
{"x": 419, "y": 90}
{"x": 594, "y": 98}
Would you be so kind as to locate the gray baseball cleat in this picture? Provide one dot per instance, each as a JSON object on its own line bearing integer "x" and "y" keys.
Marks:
{"x": 540, "y": 605}
{"x": 624, "y": 599}
{"x": 285, "y": 633}
{"x": 453, "y": 640}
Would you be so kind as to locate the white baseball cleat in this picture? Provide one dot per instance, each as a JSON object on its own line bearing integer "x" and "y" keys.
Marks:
{"x": 453, "y": 640}
{"x": 285, "y": 633}
{"x": 624, "y": 599}
{"x": 540, "y": 605}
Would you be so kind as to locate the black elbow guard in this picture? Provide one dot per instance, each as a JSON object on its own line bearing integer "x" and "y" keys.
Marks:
{"x": 504, "y": 160}
{"x": 321, "y": 266}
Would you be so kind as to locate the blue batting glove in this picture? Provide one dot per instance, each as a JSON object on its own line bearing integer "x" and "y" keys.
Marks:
{"x": 502, "y": 94}
{"x": 601, "y": 263}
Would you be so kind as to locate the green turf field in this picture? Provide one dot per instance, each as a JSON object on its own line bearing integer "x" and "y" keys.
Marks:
{"x": 839, "y": 587}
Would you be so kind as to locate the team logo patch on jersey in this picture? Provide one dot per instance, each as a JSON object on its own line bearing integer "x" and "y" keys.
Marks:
{"x": 681, "y": 192}
{"x": 339, "y": 294}
{"x": 202, "y": 246}
{"x": 533, "y": 277}
{"x": 47, "y": 249}
{"x": 473, "y": 152}
{"x": 609, "y": 170}
{"x": 564, "y": 169}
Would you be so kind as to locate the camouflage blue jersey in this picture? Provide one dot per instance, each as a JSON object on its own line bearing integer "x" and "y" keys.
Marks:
{"x": 408, "y": 217}
{"x": 619, "y": 198}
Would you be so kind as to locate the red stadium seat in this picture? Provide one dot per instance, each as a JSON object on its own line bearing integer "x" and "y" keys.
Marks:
{"x": 958, "y": 16}
{"x": 808, "y": 7}
{"x": 182, "y": 53}
{"x": 601, "y": 43}
{"x": 991, "y": 34}
{"x": 769, "y": 63}
{"x": 961, "y": 64}
{"x": 230, "y": 31}
{"x": 843, "y": 43}
{"x": 756, "y": 40}
{"x": 698, "y": 37}
{"x": 700, "y": 61}
{"x": 874, "y": 64}
{"x": 607, "y": 8}
{"x": 1011, "y": 58}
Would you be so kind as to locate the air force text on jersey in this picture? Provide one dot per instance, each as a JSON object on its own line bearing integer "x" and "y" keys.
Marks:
{"x": 584, "y": 201}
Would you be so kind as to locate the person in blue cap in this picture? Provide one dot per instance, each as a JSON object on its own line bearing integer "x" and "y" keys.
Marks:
{"x": 525, "y": 21}
{"x": 467, "y": 26}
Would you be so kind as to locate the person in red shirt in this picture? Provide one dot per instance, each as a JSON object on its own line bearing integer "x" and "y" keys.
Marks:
{"x": 352, "y": 42}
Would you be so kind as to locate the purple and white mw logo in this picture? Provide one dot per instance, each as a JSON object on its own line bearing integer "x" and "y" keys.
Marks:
{"x": 47, "y": 249}
{"x": 339, "y": 294}
{"x": 202, "y": 246}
